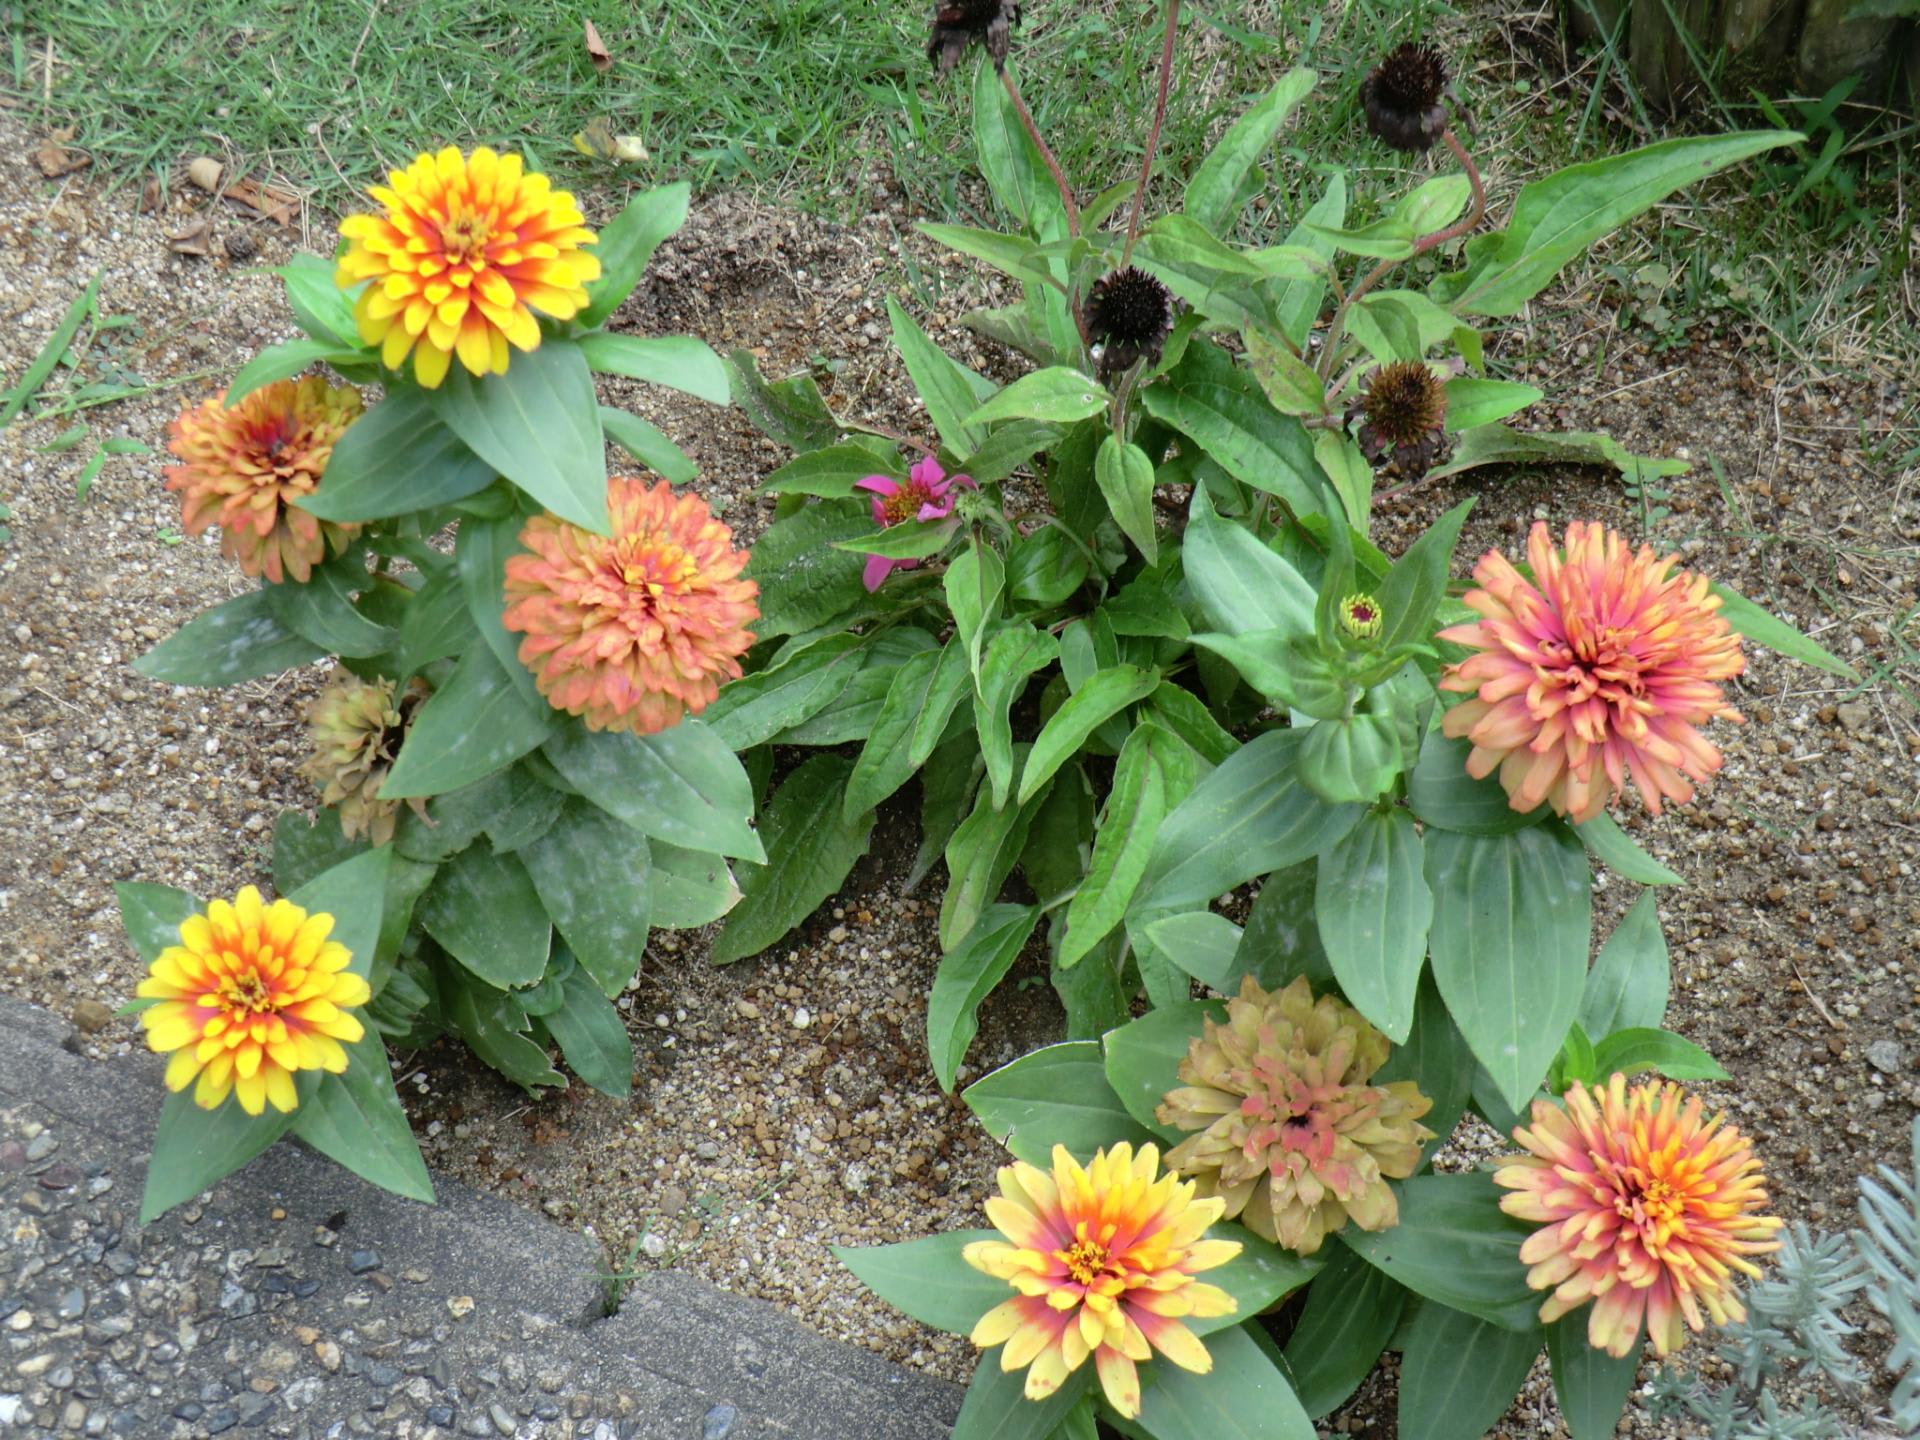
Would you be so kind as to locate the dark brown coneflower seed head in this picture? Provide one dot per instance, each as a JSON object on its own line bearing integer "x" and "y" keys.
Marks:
{"x": 1402, "y": 98}
{"x": 959, "y": 23}
{"x": 1128, "y": 316}
{"x": 1404, "y": 409}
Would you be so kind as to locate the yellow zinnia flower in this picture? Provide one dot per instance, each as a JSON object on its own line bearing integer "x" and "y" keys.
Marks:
{"x": 1104, "y": 1258}
{"x": 467, "y": 250}
{"x": 252, "y": 993}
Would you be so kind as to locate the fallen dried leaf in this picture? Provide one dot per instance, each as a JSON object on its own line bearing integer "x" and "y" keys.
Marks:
{"x": 150, "y": 196}
{"x": 597, "y": 50}
{"x": 195, "y": 239}
{"x": 269, "y": 201}
{"x": 55, "y": 159}
{"x": 205, "y": 171}
{"x": 599, "y": 141}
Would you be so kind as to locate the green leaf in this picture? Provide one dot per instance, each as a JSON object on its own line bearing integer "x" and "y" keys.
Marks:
{"x": 1628, "y": 985}
{"x": 593, "y": 876}
{"x": 1387, "y": 238}
{"x": 790, "y": 411}
{"x": 1455, "y": 1245}
{"x": 885, "y": 764}
{"x": 495, "y": 1028}
{"x": 975, "y": 584}
{"x": 691, "y": 888}
{"x": 351, "y": 892}
{"x": 1414, "y": 586}
{"x": 1373, "y": 908}
{"x": 1217, "y": 181}
{"x": 948, "y": 788}
{"x": 1125, "y": 477}
{"x": 481, "y": 550}
{"x": 484, "y": 910}
{"x": 320, "y": 307}
{"x": 1056, "y": 1095}
{"x": 1289, "y": 382}
{"x": 1008, "y": 448}
{"x": 967, "y": 975}
{"x": 753, "y": 710}
{"x": 1244, "y": 1397}
{"x": 592, "y": 1036}
{"x": 1354, "y": 759}
{"x": 152, "y": 915}
{"x": 804, "y": 581}
{"x": 980, "y": 856}
{"x": 996, "y": 1407}
{"x": 1444, "y": 795}
{"x": 1511, "y": 920}
{"x": 1258, "y": 1277}
{"x": 1056, "y": 395}
{"x": 627, "y": 245}
{"x": 529, "y": 815}
{"x": 1497, "y": 445}
{"x": 283, "y": 362}
{"x": 538, "y": 425}
{"x": 1434, "y": 204}
{"x": 909, "y": 540}
{"x": 1045, "y": 568}
{"x": 1016, "y": 651}
{"x": 1007, "y": 157}
{"x": 1142, "y": 1058}
{"x": 682, "y": 785}
{"x": 1242, "y": 586}
{"x": 1282, "y": 938}
{"x": 1628, "y": 1052}
{"x": 1296, "y": 303}
{"x": 679, "y": 362}
{"x": 1203, "y": 944}
{"x": 1104, "y": 695}
{"x": 1013, "y": 255}
{"x": 436, "y": 625}
{"x": 1252, "y": 814}
{"x": 950, "y": 391}
{"x": 86, "y": 303}
{"x": 475, "y": 724}
{"x": 194, "y": 1148}
{"x": 1186, "y": 715}
{"x": 927, "y": 1279}
{"x": 1472, "y": 402}
{"x": 1347, "y": 469}
{"x": 1615, "y": 849}
{"x": 1352, "y": 1311}
{"x": 1459, "y": 1373}
{"x": 1123, "y": 843}
{"x": 1221, "y": 407}
{"x": 811, "y": 847}
{"x": 234, "y": 641}
{"x": 1436, "y": 1058}
{"x": 852, "y": 714}
{"x": 830, "y": 473}
{"x": 1776, "y": 634}
{"x": 647, "y": 443}
{"x": 1589, "y": 1385}
{"x": 1559, "y": 217}
{"x": 355, "y": 1119}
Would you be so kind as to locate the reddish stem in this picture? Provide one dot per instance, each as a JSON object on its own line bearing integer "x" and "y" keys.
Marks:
{"x": 1053, "y": 165}
{"x": 1153, "y": 132}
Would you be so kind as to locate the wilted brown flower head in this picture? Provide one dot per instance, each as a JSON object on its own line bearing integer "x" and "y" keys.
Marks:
{"x": 959, "y": 23}
{"x": 1129, "y": 314}
{"x": 356, "y": 726}
{"x": 1405, "y": 412}
{"x": 1292, "y": 1136}
{"x": 1401, "y": 98}
{"x": 242, "y": 469}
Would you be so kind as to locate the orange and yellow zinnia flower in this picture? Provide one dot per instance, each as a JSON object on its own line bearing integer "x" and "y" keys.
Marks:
{"x": 632, "y": 631}
{"x": 1104, "y": 1258}
{"x": 252, "y": 993}
{"x": 1597, "y": 670}
{"x": 242, "y": 469}
{"x": 1643, "y": 1210}
{"x": 468, "y": 249}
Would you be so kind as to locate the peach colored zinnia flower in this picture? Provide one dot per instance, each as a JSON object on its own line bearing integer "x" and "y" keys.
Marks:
{"x": 1293, "y": 1138}
{"x": 1598, "y": 669}
{"x": 1643, "y": 1210}
{"x": 467, "y": 250}
{"x": 632, "y": 632}
{"x": 1104, "y": 1259}
{"x": 242, "y": 469}
{"x": 252, "y": 993}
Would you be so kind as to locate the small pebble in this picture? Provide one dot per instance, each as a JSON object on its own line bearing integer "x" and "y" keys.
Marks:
{"x": 363, "y": 1262}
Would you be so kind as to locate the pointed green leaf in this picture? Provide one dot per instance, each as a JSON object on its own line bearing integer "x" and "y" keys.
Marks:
{"x": 1218, "y": 179}
{"x": 1589, "y": 1385}
{"x": 1628, "y": 985}
{"x": 1352, "y": 1312}
{"x": 1242, "y": 585}
{"x": 628, "y": 244}
{"x": 1104, "y": 695}
{"x": 1615, "y": 849}
{"x": 975, "y": 585}
{"x": 1244, "y": 1397}
{"x": 496, "y": 1029}
{"x": 1459, "y": 1373}
{"x": 1015, "y": 652}
{"x": 647, "y": 443}
{"x": 1056, "y": 1095}
{"x": 1142, "y": 1058}
{"x": 804, "y": 580}
{"x": 355, "y": 1119}
{"x": 1444, "y": 795}
{"x": 1472, "y": 402}
{"x": 679, "y": 362}
{"x": 682, "y": 785}
{"x": 1122, "y": 845}
{"x": 927, "y": 1280}
{"x": 477, "y": 723}
{"x": 1056, "y": 395}
{"x": 152, "y": 915}
{"x": 591, "y": 1035}
{"x": 967, "y": 975}
{"x": 1455, "y": 1245}
{"x": 593, "y": 876}
{"x": 234, "y": 641}
{"x": 1373, "y": 909}
{"x": 394, "y": 460}
{"x": 811, "y": 848}
{"x": 484, "y": 911}
{"x": 950, "y": 391}
{"x": 1125, "y": 477}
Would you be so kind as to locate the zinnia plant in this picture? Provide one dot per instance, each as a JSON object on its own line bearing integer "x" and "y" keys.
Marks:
{"x": 501, "y": 719}
{"x": 1647, "y": 1211}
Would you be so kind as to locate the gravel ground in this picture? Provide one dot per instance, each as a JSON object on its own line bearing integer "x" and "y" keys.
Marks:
{"x": 785, "y": 1102}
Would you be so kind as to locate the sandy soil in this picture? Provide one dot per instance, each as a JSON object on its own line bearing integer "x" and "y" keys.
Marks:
{"x": 785, "y": 1103}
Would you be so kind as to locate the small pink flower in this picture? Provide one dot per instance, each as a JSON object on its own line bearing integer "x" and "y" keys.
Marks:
{"x": 925, "y": 496}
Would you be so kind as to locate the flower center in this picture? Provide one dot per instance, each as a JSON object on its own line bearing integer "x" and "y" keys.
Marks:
{"x": 248, "y": 994}
{"x": 652, "y": 568}
{"x": 1086, "y": 1260}
{"x": 464, "y": 238}
{"x": 904, "y": 504}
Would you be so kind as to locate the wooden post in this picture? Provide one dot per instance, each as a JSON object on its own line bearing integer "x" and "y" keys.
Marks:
{"x": 1833, "y": 47}
{"x": 1657, "y": 47}
{"x": 1760, "y": 32}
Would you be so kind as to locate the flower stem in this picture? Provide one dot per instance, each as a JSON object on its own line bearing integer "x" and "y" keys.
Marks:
{"x": 1053, "y": 165}
{"x": 1475, "y": 213}
{"x": 1153, "y": 131}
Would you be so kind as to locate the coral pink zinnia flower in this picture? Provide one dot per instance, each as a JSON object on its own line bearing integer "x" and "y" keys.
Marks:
{"x": 1643, "y": 1210}
{"x": 926, "y": 496}
{"x": 632, "y": 631}
{"x": 1598, "y": 669}
{"x": 242, "y": 469}
{"x": 1104, "y": 1259}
